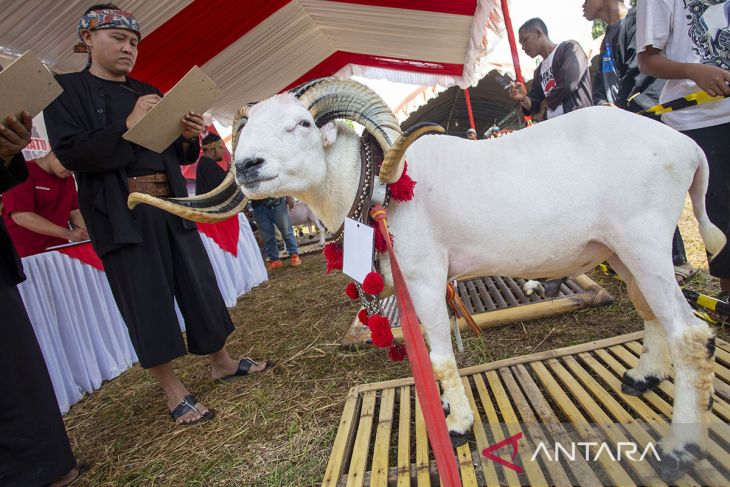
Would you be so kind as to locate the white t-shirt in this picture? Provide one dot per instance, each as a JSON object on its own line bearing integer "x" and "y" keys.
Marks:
{"x": 548, "y": 83}
{"x": 687, "y": 31}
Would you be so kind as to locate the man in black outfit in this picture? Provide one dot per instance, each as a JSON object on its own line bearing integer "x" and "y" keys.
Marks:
{"x": 150, "y": 256}
{"x": 209, "y": 175}
{"x": 34, "y": 448}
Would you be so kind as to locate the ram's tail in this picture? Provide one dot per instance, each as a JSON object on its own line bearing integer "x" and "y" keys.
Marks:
{"x": 712, "y": 236}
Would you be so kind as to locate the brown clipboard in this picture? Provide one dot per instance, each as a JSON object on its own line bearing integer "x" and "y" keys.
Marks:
{"x": 159, "y": 128}
{"x": 26, "y": 85}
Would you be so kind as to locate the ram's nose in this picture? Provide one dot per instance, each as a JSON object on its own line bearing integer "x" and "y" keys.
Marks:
{"x": 248, "y": 163}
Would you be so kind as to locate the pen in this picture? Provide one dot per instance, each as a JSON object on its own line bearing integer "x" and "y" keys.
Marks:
{"x": 128, "y": 88}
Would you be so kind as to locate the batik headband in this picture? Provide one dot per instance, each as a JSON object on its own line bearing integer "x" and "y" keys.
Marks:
{"x": 105, "y": 19}
{"x": 213, "y": 145}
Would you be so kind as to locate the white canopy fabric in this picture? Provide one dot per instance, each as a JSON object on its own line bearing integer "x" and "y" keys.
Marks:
{"x": 254, "y": 49}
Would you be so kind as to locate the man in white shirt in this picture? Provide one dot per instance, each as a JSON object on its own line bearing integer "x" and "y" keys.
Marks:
{"x": 687, "y": 42}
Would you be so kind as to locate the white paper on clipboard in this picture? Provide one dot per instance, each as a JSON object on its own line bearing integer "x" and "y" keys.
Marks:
{"x": 357, "y": 260}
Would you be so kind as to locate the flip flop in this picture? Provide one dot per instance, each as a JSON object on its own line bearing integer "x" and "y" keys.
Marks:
{"x": 683, "y": 272}
{"x": 186, "y": 405}
{"x": 80, "y": 469}
{"x": 244, "y": 365}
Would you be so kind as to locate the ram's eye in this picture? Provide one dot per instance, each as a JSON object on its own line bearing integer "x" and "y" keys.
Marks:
{"x": 305, "y": 123}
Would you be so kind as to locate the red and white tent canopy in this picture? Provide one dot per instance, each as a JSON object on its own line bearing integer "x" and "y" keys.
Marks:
{"x": 253, "y": 49}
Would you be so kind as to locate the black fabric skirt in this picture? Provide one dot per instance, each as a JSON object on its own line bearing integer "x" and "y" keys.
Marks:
{"x": 34, "y": 448}
{"x": 146, "y": 278}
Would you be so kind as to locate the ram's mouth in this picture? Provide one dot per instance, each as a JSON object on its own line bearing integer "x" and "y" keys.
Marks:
{"x": 253, "y": 180}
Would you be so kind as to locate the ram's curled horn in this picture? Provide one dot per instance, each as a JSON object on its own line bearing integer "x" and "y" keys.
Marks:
{"x": 220, "y": 204}
{"x": 332, "y": 98}
{"x": 239, "y": 120}
{"x": 393, "y": 162}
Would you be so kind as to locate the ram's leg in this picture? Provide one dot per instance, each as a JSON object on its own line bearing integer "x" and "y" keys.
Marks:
{"x": 691, "y": 345}
{"x": 655, "y": 364}
{"x": 430, "y": 303}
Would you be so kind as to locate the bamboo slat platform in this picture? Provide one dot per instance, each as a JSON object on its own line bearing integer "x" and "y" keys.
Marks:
{"x": 381, "y": 438}
{"x": 496, "y": 301}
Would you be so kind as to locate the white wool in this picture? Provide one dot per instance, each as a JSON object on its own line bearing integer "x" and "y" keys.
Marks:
{"x": 601, "y": 183}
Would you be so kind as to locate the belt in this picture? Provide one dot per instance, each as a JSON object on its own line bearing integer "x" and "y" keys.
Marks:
{"x": 154, "y": 184}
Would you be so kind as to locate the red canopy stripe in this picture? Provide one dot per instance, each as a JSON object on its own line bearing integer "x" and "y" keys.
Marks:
{"x": 195, "y": 35}
{"x": 458, "y": 7}
{"x": 340, "y": 59}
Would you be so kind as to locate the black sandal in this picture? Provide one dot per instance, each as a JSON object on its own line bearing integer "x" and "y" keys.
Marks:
{"x": 244, "y": 365}
{"x": 186, "y": 405}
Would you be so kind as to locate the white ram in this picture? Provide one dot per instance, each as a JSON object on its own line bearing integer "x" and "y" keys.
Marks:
{"x": 469, "y": 217}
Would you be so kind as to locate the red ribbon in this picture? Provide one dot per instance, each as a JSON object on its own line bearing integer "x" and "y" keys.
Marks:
{"x": 426, "y": 388}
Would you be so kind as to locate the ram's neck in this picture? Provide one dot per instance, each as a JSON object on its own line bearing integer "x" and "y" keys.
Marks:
{"x": 333, "y": 197}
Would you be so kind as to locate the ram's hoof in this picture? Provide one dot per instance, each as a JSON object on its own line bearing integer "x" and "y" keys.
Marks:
{"x": 634, "y": 387}
{"x": 458, "y": 439}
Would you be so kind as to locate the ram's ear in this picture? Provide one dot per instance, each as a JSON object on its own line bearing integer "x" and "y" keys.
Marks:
{"x": 329, "y": 134}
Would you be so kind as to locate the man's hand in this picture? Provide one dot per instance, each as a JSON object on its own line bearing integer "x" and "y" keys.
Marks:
{"x": 77, "y": 235}
{"x": 714, "y": 80}
{"x": 144, "y": 104}
{"x": 14, "y": 135}
{"x": 518, "y": 92}
{"x": 290, "y": 202}
{"x": 194, "y": 125}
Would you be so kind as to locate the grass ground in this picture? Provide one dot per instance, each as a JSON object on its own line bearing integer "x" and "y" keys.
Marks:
{"x": 277, "y": 429}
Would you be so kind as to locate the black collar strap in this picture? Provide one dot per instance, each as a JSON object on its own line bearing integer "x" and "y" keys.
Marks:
{"x": 371, "y": 156}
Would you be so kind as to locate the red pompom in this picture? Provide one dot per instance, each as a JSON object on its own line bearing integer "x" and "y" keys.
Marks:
{"x": 333, "y": 255}
{"x": 380, "y": 331}
{"x": 373, "y": 283}
{"x": 362, "y": 315}
{"x": 397, "y": 353}
{"x": 402, "y": 190}
{"x": 351, "y": 291}
{"x": 380, "y": 244}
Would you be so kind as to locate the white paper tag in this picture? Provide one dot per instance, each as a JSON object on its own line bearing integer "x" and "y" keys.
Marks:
{"x": 357, "y": 260}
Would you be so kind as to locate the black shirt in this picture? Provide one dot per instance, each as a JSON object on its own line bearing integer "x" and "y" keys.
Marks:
{"x": 121, "y": 99}
{"x": 208, "y": 175}
{"x": 89, "y": 142}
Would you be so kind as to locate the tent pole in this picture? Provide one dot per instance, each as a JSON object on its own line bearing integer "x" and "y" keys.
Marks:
{"x": 513, "y": 50}
{"x": 468, "y": 108}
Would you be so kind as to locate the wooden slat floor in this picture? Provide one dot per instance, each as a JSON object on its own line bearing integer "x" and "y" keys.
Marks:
{"x": 496, "y": 301}
{"x": 381, "y": 438}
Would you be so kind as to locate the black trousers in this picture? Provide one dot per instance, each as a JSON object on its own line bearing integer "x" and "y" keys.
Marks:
{"x": 715, "y": 141}
{"x": 34, "y": 448}
{"x": 145, "y": 278}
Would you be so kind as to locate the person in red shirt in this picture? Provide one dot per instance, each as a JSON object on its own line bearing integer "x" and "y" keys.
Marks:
{"x": 43, "y": 211}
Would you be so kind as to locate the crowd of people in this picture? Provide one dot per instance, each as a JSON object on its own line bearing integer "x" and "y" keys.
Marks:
{"x": 660, "y": 51}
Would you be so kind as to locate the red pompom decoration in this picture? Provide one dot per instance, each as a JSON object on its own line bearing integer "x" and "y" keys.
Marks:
{"x": 402, "y": 190}
{"x": 351, "y": 291}
{"x": 362, "y": 315}
{"x": 397, "y": 353}
{"x": 380, "y": 331}
{"x": 380, "y": 244}
{"x": 333, "y": 255}
{"x": 373, "y": 283}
